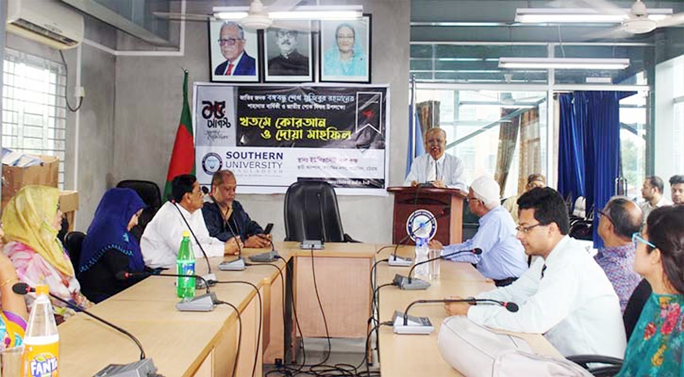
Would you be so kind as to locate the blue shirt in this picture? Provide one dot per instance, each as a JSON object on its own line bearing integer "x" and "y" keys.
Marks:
{"x": 503, "y": 256}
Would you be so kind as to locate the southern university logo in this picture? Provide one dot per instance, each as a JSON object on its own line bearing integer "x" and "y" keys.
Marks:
{"x": 211, "y": 163}
{"x": 421, "y": 223}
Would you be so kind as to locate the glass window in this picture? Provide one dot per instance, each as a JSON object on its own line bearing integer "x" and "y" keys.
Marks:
{"x": 34, "y": 110}
{"x": 633, "y": 142}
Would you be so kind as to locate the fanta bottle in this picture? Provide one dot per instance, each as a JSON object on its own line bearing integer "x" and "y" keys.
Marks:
{"x": 41, "y": 342}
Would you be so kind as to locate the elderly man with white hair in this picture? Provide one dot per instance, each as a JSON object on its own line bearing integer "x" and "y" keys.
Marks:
{"x": 503, "y": 256}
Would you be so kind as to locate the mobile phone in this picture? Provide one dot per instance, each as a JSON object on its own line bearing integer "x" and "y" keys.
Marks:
{"x": 268, "y": 229}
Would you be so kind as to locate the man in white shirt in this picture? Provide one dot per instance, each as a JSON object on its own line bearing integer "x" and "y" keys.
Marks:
{"x": 163, "y": 235}
{"x": 437, "y": 167}
{"x": 565, "y": 295}
{"x": 652, "y": 192}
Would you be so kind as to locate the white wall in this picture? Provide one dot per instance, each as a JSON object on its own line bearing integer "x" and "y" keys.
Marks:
{"x": 149, "y": 98}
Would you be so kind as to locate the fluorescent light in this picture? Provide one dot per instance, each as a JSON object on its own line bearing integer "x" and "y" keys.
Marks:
{"x": 563, "y": 63}
{"x": 331, "y": 12}
{"x": 587, "y": 15}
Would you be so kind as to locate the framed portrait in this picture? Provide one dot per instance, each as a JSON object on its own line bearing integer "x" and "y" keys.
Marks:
{"x": 233, "y": 53}
{"x": 288, "y": 52}
{"x": 345, "y": 50}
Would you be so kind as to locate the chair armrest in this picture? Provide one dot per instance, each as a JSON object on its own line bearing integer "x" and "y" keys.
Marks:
{"x": 583, "y": 360}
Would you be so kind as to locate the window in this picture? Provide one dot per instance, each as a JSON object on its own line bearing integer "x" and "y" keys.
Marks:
{"x": 34, "y": 110}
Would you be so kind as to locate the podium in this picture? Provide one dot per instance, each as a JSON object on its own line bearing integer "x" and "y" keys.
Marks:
{"x": 445, "y": 204}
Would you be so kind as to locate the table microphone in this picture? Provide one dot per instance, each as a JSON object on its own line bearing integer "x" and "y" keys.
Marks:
{"x": 203, "y": 303}
{"x": 266, "y": 257}
{"x": 405, "y": 324}
{"x": 413, "y": 284}
{"x": 144, "y": 367}
{"x": 210, "y": 278}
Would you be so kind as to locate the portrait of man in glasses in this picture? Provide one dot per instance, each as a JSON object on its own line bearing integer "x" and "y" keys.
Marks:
{"x": 232, "y": 44}
{"x": 289, "y": 59}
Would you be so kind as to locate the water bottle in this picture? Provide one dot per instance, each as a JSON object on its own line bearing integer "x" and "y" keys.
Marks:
{"x": 185, "y": 264}
{"x": 422, "y": 250}
{"x": 41, "y": 342}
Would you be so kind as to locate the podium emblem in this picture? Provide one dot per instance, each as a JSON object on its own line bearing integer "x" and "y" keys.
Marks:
{"x": 421, "y": 223}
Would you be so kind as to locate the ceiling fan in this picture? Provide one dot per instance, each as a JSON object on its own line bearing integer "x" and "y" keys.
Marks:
{"x": 259, "y": 16}
{"x": 637, "y": 20}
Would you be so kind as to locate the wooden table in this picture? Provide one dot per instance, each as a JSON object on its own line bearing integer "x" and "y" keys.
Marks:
{"x": 418, "y": 355}
{"x": 181, "y": 343}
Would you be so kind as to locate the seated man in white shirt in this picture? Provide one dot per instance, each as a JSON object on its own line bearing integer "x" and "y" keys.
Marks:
{"x": 163, "y": 235}
{"x": 565, "y": 295}
{"x": 437, "y": 167}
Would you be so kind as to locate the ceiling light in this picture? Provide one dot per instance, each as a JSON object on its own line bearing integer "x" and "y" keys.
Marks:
{"x": 332, "y": 12}
{"x": 563, "y": 63}
{"x": 586, "y": 15}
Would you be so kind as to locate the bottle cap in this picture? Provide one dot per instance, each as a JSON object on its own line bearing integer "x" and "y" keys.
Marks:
{"x": 186, "y": 234}
{"x": 42, "y": 290}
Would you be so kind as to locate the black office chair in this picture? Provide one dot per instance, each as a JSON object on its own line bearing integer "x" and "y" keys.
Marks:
{"x": 311, "y": 213}
{"x": 72, "y": 243}
{"x": 471, "y": 223}
{"x": 610, "y": 366}
{"x": 150, "y": 194}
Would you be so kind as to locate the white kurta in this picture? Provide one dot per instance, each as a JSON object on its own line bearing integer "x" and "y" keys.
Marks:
{"x": 163, "y": 236}
{"x": 574, "y": 305}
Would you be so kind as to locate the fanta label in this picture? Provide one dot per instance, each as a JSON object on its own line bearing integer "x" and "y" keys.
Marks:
{"x": 41, "y": 360}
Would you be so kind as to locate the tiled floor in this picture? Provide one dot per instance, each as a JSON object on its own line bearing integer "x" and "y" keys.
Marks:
{"x": 344, "y": 351}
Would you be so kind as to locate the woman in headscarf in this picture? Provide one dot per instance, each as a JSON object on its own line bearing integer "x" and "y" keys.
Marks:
{"x": 31, "y": 220}
{"x": 109, "y": 248}
{"x": 346, "y": 57}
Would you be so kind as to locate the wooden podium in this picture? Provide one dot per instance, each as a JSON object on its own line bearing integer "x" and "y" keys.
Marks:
{"x": 444, "y": 203}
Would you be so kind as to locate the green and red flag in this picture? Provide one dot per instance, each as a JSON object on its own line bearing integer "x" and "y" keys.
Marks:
{"x": 183, "y": 156}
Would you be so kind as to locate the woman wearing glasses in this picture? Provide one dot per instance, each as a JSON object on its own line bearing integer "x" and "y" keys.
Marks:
{"x": 346, "y": 56}
{"x": 31, "y": 221}
{"x": 656, "y": 345}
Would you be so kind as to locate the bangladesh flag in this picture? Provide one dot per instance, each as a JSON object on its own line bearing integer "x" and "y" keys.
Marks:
{"x": 183, "y": 156}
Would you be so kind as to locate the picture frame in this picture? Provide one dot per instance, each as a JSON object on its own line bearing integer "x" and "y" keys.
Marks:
{"x": 350, "y": 59}
{"x": 248, "y": 68}
{"x": 288, "y": 52}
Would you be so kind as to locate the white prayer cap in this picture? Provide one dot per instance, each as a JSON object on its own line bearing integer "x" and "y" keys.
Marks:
{"x": 486, "y": 189}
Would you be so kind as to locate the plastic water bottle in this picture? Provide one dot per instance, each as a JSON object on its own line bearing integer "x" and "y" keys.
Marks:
{"x": 185, "y": 264}
{"x": 41, "y": 342}
{"x": 422, "y": 250}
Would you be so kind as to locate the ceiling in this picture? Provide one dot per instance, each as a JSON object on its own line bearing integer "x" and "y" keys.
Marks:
{"x": 461, "y": 41}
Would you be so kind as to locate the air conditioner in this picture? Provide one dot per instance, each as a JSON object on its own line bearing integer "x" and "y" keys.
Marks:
{"x": 46, "y": 21}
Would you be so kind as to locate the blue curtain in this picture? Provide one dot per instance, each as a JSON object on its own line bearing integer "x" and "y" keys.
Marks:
{"x": 589, "y": 148}
{"x": 411, "y": 154}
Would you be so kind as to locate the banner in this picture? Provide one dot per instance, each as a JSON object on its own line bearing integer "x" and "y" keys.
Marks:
{"x": 273, "y": 136}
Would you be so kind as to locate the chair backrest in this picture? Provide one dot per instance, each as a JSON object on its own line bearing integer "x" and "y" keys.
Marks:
{"x": 311, "y": 212}
{"x": 634, "y": 306}
{"x": 150, "y": 194}
{"x": 73, "y": 242}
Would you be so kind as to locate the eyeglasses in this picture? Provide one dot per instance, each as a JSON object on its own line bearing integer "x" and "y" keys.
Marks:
{"x": 526, "y": 229}
{"x": 603, "y": 214}
{"x": 228, "y": 41}
{"x": 636, "y": 237}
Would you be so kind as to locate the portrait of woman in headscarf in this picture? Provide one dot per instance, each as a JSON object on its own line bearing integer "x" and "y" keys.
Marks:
{"x": 31, "y": 221}
{"x": 346, "y": 57}
{"x": 109, "y": 247}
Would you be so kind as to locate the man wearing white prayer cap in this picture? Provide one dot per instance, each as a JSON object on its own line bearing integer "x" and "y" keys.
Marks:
{"x": 503, "y": 256}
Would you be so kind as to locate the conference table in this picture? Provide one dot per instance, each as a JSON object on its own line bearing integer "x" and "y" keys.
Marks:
{"x": 205, "y": 343}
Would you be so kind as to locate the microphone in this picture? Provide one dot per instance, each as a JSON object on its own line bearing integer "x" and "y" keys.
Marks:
{"x": 144, "y": 367}
{"x": 266, "y": 257}
{"x": 405, "y": 324}
{"x": 203, "y": 303}
{"x": 409, "y": 283}
{"x": 210, "y": 278}
{"x": 239, "y": 263}
{"x": 394, "y": 260}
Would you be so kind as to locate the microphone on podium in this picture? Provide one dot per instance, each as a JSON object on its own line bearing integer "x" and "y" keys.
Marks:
{"x": 413, "y": 284}
{"x": 143, "y": 367}
{"x": 203, "y": 303}
{"x": 406, "y": 324}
